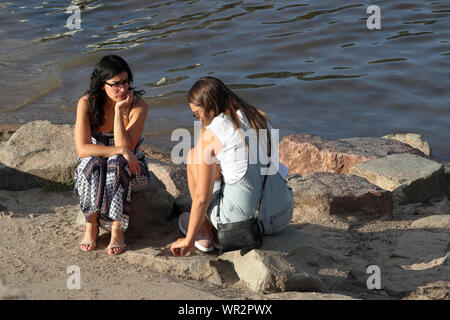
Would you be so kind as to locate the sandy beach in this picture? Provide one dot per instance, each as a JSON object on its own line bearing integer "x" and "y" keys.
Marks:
{"x": 321, "y": 72}
{"x": 40, "y": 241}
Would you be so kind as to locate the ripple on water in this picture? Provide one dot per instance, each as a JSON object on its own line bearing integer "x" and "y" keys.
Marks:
{"x": 307, "y": 62}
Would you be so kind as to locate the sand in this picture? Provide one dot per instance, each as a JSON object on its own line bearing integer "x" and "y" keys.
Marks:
{"x": 39, "y": 241}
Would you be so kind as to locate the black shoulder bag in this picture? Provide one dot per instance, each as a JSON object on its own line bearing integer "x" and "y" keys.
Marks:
{"x": 245, "y": 234}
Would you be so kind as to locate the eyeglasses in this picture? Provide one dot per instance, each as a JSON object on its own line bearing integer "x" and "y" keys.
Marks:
{"x": 119, "y": 84}
{"x": 195, "y": 114}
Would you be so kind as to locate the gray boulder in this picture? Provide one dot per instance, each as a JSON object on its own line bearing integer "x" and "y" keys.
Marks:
{"x": 447, "y": 178}
{"x": 149, "y": 208}
{"x": 7, "y": 130}
{"x": 37, "y": 152}
{"x": 411, "y": 177}
{"x": 194, "y": 267}
{"x": 421, "y": 246}
{"x": 438, "y": 221}
{"x": 287, "y": 261}
{"x": 419, "y": 259}
{"x": 412, "y": 139}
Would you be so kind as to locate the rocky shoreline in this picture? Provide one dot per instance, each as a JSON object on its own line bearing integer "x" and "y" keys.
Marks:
{"x": 358, "y": 202}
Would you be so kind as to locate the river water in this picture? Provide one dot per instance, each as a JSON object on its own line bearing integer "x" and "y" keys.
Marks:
{"x": 314, "y": 66}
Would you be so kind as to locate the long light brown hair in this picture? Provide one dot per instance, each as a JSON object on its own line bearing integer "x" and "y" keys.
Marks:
{"x": 215, "y": 97}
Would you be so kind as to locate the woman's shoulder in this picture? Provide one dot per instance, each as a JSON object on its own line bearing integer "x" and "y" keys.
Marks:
{"x": 220, "y": 122}
{"x": 83, "y": 103}
{"x": 84, "y": 98}
{"x": 140, "y": 103}
{"x": 221, "y": 118}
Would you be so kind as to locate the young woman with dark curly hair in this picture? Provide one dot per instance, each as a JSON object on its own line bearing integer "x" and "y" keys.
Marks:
{"x": 109, "y": 123}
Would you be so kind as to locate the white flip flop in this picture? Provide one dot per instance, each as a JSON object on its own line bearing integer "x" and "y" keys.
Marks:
{"x": 183, "y": 222}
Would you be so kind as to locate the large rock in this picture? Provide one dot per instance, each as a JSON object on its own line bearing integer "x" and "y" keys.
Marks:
{"x": 36, "y": 152}
{"x": 173, "y": 177}
{"x": 307, "y": 153}
{"x": 421, "y": 246}
{"x": 436, "y": 222}
{"x": 447, "y": 178}
{"x": 418, "y": 260}
{"x": 413, "y": 178}
{"x": 325, "y": 194}
{"x": 7, "y": 130}
{"x": 193, "y": 267}
{"x": 413, "y": 139}
{"x": 149, "y": 208}
{"x": 287, "y": 261}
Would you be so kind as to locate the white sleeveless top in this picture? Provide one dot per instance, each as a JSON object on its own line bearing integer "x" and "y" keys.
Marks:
{"x": 232, "y": 159}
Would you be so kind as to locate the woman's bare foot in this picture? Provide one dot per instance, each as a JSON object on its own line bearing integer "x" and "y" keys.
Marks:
{"x": 117, "y": 244}
{"x": 89, "y": 241}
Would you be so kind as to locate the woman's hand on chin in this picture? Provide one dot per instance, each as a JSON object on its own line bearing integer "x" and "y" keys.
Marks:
{"x": 123, "y": 106}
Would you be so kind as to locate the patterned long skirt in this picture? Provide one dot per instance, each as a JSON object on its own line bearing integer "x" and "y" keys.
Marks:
{"x": 104, "y": 186}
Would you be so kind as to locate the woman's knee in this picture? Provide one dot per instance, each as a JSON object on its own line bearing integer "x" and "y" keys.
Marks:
{"x": 190, "y": 157}
{"x": 190, "y": 163}
{"x": 89, "y": 161}
{"x": 87, "y": 166}
{"x": 117, "y": 160}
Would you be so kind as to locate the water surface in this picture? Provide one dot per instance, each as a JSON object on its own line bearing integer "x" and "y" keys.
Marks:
{"x": 314, "y": 66}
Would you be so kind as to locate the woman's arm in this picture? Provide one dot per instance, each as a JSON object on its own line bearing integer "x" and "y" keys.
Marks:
{"x": 128, "y": 124}
{"x": 82, "y": 135}
{"x": 206, "y": 175}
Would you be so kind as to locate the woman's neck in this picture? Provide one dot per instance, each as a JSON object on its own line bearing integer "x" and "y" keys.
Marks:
{"x": 110, "y": 103}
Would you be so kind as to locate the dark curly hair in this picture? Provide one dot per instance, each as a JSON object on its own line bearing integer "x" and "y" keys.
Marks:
{"x": 108, "y": 67}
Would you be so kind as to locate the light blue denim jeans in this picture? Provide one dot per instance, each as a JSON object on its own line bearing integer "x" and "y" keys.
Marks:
{"x": 240, "y": 200}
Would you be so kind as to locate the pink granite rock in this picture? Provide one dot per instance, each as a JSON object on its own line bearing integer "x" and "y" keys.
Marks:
{"x": 173, "y": 176}
{"x": 324, "y": 193}
{"x": 307, "y": 153}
